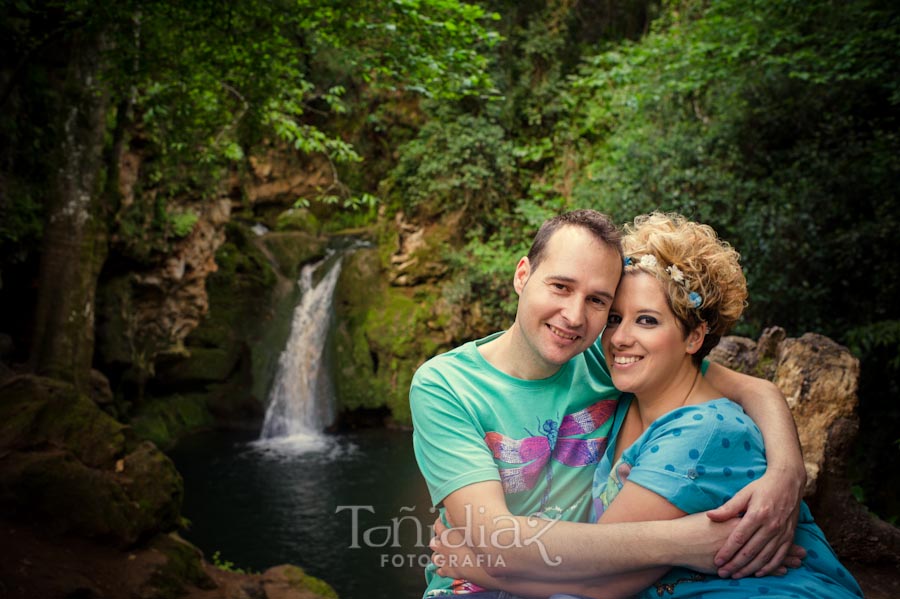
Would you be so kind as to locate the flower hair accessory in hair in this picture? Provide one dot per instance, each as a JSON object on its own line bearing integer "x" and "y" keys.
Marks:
{"x": 649, "y": 262}
{"x": 675, "y": 273}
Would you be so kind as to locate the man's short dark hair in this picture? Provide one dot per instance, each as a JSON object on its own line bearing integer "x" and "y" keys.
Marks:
{"x": 597, "y": 224}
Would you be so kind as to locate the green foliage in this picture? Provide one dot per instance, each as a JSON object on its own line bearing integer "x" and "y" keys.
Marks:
{"x": 484, "y": 266}
{"x": 164, "y": 420}
{"x": 458, "y": 161}
{"x": 429, "y": 46}
{"x": 183, "y": 223}
{"x": 882, "y": 334}
{"x": 241, "y": 262}
{"x": 542, "y": 44}
{"x": 226, "y": 565}
{"x": 249, "y": 70}
{"x": 202, "y": 84}
{"x": 773, "y": 141}
{"x": 363, "y": 202}
{"x": 21, "y": 222}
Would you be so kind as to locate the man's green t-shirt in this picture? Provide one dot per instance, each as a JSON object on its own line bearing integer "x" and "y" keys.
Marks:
{"x": 541, "y": 438}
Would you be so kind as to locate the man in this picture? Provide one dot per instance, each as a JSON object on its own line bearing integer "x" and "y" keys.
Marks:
{"x": 512, "y": 425}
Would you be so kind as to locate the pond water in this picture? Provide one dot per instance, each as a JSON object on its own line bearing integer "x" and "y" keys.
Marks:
{"x": 350, "y": 509}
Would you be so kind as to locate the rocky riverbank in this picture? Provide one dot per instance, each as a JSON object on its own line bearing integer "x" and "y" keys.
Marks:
{"x": 91, "y": 511}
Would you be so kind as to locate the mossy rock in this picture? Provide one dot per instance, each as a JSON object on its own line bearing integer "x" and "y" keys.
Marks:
{"x": 299, "y": 580}
{"x": 202, "y": 365}
{"x": 183, "y": 567}
{"x": 165, "y": 419}
{"x": 240, "y": 255}
{"x": 71, "y": 466}
{"x": 397, "y": 330}
{"x": 356, "y": 373}
{"x": 65, "y": 495}
{"x": 381, "y": 338}
{"x": 122, "y": 505}
{"x": 298, "y": 219}
{"x": 291, "y": 250}
{"x": 153, "y": 484}
{"x": 20, "y": 407}
{"x": 39, "y": 412}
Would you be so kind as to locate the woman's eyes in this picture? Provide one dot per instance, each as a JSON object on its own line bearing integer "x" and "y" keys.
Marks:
{"x": 614, "y": 319}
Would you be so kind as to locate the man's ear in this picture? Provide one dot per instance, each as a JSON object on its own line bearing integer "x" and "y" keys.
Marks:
{"x": 695, "y": 339}
{"x": 523, "y": 271}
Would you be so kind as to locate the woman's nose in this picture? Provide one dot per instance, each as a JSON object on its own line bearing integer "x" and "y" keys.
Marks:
{"x": 621, "y": 335}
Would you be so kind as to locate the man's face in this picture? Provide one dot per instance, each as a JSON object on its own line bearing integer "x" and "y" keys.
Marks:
{"x": 564, "y": 301}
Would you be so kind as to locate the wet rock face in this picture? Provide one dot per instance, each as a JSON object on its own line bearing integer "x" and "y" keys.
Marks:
{"x": 151, "y": 310}
{"x": 171, "y": 298}
{"x": 280, "y": 177}
{"x": 417, "y": 258}
{"x": 71, "y": 467}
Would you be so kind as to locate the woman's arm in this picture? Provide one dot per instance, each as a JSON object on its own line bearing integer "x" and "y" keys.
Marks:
{"x": 770, "y": 505}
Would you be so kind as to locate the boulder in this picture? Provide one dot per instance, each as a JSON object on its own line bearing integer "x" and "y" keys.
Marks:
{"x": 819, "y": 379}
{"x": 70, "y": 466}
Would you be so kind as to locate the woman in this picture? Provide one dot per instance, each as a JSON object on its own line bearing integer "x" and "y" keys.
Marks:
{"x": 680, "y": 447}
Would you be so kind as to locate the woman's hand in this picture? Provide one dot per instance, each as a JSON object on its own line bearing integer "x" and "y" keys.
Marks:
{"x": 453, "y": 557}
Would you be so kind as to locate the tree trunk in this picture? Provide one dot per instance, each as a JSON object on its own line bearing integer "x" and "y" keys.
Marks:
{"x": 75, "y": 236}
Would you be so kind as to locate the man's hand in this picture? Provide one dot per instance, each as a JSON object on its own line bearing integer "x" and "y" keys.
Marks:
{"x": 763, "y": 541}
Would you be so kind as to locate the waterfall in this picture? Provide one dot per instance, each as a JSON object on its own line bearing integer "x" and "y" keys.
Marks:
{"x": 300, "y": 402}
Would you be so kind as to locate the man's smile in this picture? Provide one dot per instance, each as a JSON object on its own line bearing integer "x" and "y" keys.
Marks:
{"x": 563, "y": 334}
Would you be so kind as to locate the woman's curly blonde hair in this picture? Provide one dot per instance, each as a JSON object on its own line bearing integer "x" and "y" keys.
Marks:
{"x": 701, "y": 274}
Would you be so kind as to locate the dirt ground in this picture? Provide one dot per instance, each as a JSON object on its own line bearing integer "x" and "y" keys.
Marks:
{"x": 34, "y": 565}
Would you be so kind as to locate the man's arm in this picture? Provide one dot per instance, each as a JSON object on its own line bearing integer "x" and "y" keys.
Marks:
{"x": 455, "y": 563}
{"x": 538, "y": 548}
{"x": 610, "y": 542}
{"x": 770, "y": 505}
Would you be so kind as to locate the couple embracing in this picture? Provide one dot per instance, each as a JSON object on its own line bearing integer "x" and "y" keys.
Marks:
{"x": 566, "y": 462}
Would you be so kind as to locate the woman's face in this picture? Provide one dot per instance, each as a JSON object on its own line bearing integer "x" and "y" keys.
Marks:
{"x": 644, "y": 343}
